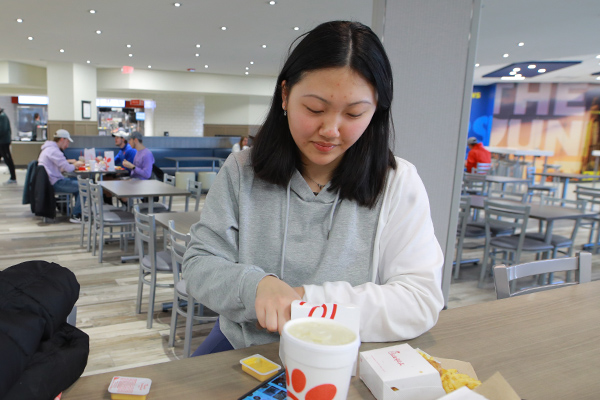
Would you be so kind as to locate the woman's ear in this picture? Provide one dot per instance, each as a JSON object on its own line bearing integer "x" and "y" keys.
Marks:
{"x": 284, "y": 95}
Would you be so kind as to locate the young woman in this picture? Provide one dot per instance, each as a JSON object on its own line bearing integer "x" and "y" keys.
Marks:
{"x": 319, "y": 209}
{"x": 241, "y": 145}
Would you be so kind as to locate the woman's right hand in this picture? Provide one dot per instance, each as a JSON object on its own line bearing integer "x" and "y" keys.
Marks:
{"x": 274, "y": 303}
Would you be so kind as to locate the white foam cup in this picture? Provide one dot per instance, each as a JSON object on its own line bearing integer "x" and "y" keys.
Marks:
{"x": 318, "y": 370}
{"x": 92, "y": 165}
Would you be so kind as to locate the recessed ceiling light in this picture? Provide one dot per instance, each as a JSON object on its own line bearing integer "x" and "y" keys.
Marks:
{"x": 272, "y": 3}
{"x": 223, "y": 28}
{"x": 197, "y": 55}
{"x": 598, "y": 56}
{"x": 62, "y": 50}
{"x": 149, "y": 66}
{"x": 264, "y": 46}
{"x": 521, "y": 44}
{"x": 512, "y": 73}
{"x": 505, "y": 55}
{"x": 296, "y": 28}
{"x": 98, "y": 32}
{"x": 251, "y": 62}
{"x": 130, "y": 55}
{"x": 19, "y": 20}
{"x": 92, "y": 11}
{"x": 30, "y": 38}
{"x": 128, "y": 46}
{"x": 476, "y": 65}
{"x": 206, "y": 66}
{"x": 247, "y": 68}
{"x": 88, "y": 61}
{"x": 542, "y": 70}
{"x": 197, "y": 46}
{"x": 517, "y": 69}
{"x": 598, "y": 78}
{"x": 246, "y": 72}
{"x": 513, "y": 78}
{"x": 177, "y": 4}
{"x": 531, "y": 66}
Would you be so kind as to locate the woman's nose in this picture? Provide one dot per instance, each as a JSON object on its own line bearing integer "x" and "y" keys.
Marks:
{"x": 330, "y": 127}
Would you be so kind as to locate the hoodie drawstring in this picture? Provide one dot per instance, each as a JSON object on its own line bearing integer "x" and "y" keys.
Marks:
{"x": 285, "y": 229}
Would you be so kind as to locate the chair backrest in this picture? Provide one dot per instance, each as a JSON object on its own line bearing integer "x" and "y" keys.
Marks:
{"x": 84, "y": 196}
{"x": 590, "y": 195}
{"x": 503, "y": 275}
{"x": 521, "y": 197}
{"x": 530, "y": 174}
{"x": 579, "y": 204}
{"x": 195, "y": 188}
{"x": 96, "y": 201}
{"x": 170, "y": 179}
{"x": 483, "y": 168}
{"x": 511, "y": 216}
{"x": 179, "y": 242}
{"x": 474, "y": 183}
{"x": 145, "y": 234}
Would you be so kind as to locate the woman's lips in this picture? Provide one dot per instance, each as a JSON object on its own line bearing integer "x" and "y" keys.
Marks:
{"x": 323, "y": 147}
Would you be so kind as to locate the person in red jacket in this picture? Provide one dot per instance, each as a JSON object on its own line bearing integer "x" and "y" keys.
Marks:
{"x": 477, "y": 154}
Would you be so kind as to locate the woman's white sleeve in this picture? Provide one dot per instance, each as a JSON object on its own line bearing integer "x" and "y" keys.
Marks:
{"x": 405, "y": 296}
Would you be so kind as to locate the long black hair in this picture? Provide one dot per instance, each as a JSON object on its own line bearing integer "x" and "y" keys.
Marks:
{"x": 362, "y": 173}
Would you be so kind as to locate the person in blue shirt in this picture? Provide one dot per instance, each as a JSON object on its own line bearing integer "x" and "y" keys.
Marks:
{"x": 126, "y": 152}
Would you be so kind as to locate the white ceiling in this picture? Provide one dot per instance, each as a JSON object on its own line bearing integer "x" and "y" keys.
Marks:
{"x": 165, "y": 36}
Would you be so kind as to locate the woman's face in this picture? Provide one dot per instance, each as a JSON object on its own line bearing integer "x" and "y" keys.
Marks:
{"x": 245, "y": 141}
{"x": 328, "y": 110}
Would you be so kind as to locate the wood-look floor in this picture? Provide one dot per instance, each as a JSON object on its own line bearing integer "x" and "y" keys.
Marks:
{"x": 106, "y": 306}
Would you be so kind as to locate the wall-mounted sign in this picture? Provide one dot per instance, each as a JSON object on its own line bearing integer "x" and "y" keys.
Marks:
{"x": 42, "y": 100}
{"x": 110, "y": 103}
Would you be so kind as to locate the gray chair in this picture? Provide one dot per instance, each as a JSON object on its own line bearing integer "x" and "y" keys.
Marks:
{"x": 559, "y": 241}
{"x": 152, "y": 262}
{"x": 195, "y": 188}
{"x": 102, "y": 219}
{"x": 534, "y": 188}
{"x": 179, "y": 243}
{"x": 474, "y": 184}
{"x": 520, "y": 197}
{"x": 464, "y": 231}
{"x": 505, "y": 276}
{"x": 160, "y": 207}
{"x": 508, "y": 249}
{"x": 483, "y": 168}
{"x": 86, "y": 211}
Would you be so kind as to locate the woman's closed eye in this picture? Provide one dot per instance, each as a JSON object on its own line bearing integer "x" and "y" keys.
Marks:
{"x": 314, "y": 111}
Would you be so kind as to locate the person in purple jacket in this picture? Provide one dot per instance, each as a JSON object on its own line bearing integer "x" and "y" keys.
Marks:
{"x": 54, "y": 161}
{"x": 141, "y": 168}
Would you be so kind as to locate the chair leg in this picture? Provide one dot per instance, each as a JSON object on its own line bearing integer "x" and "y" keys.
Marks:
{"x": 89, "y": 233}
{"x": 94, "y": 241}
{"x": 174, "y": 315}
{"x": 484, "y": 263}
{"x": 101, "y": 244}
{"x": 151, "y": 300}
{"x": 82, "y": 232}
{"x": 189, "y": 320}
{"x": 140, "y": 291}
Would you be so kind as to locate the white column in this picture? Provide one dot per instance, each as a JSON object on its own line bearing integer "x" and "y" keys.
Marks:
{"x": 431, "y": 45}
{"x": 68, "y": 86}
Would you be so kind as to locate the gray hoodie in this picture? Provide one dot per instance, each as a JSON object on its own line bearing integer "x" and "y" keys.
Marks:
{"x": 240, "y": 239}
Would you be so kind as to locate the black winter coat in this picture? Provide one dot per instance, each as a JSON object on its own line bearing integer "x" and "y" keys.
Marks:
{"x": 42, "y": 355}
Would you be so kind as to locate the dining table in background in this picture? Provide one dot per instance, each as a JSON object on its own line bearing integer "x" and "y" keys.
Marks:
{"x": 136, "y": 188}
{"x": 183, "y": 220}
{"x": 546, "y": 213}
{"x": 101, "y": 174}
{"x": 566, "y": 177}
{"x": 546, "y": 345}
{"x": 214, "y": 160}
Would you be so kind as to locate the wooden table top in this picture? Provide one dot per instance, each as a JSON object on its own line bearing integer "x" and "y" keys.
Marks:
{"x": 183, "y": 220}
{"x": 142, "y": 188}
{"x": 546, "y": 345}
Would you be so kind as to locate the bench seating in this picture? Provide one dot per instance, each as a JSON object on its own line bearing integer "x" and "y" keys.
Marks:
{"x": 160, "y": 156}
